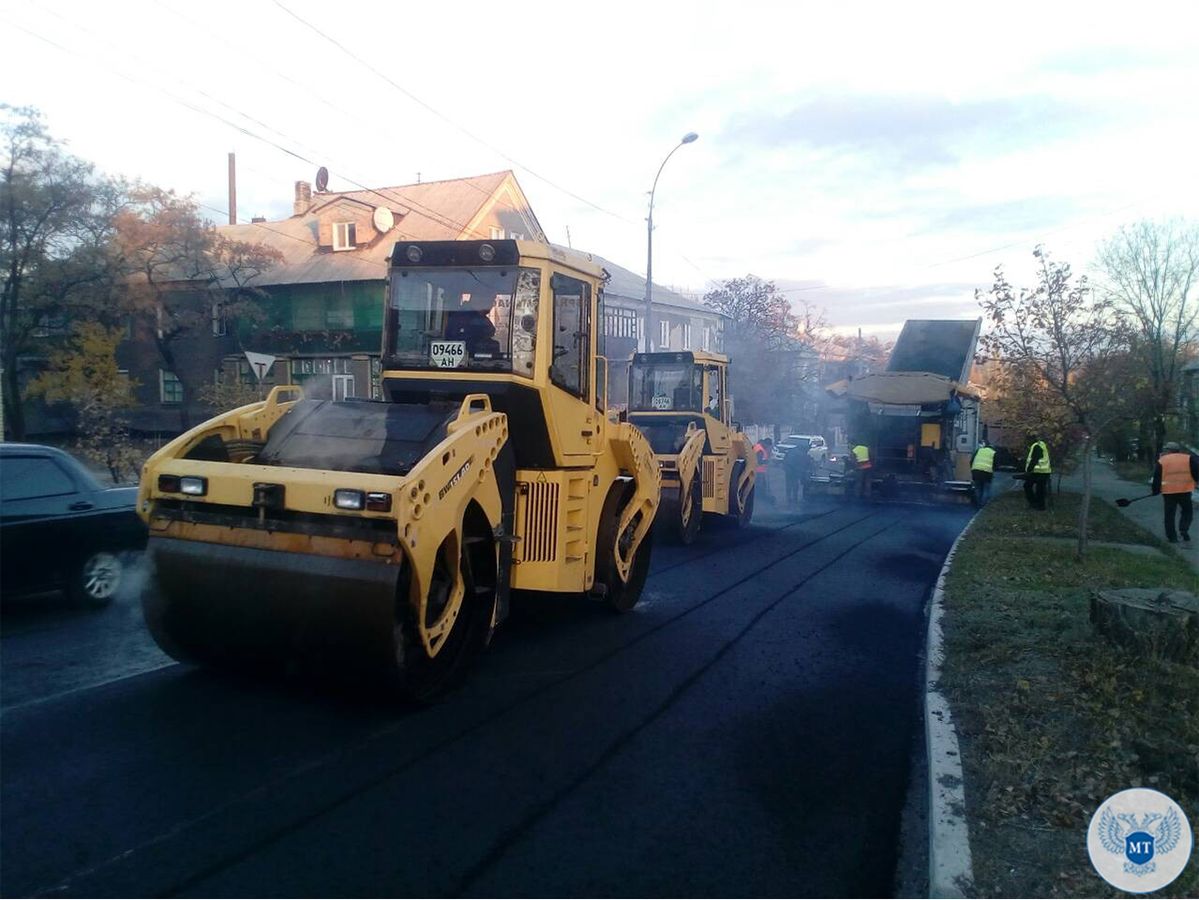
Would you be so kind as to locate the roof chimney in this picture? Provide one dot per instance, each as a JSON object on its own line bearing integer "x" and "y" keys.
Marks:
{"x": 257, "y": 220}
{"x": 303, "y": 198}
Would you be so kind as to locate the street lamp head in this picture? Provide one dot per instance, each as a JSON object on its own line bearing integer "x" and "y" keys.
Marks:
{"x": 689, "y": 137}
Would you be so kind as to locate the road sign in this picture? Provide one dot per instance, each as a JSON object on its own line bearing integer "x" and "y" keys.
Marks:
{"x": 260, "y": 363}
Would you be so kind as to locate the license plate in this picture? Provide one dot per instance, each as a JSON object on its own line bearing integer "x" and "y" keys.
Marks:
{"x": 447, "y": 354}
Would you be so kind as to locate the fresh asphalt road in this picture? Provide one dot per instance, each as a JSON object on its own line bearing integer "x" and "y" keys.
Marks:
{"x": 745, "y": 731}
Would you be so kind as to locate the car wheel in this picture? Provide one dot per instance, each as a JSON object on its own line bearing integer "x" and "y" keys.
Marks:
{"x": 98, "y": 579}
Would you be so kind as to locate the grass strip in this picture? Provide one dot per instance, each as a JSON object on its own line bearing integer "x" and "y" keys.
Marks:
{"x": 1052, "y": 718}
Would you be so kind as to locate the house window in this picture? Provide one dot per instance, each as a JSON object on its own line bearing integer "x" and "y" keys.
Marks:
{"x": 49, "y": 326}
{"x": 307, "y": 314}
{"x": 663, "y": 335}
{"x": 686, "y": 336}
{"x": 170, "y": 389}
{"x": 339, "y": 313}
{"x": 620, "y": 322}
{"x": 343, "y": 236}
{"x": 497, "y": 234}
{"x": 707, "y": 338}
{"x": 219, "y": 323}
{"x": 516, "y": 235}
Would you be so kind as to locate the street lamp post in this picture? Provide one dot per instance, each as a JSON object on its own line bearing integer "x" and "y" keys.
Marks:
{"x": 649, "y": 255}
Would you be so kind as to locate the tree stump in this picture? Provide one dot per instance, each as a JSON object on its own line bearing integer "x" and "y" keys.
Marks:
{"x": 1160, "y": 623}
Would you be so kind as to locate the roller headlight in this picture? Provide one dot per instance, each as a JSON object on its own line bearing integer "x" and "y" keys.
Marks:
{"x": 413, "y": 253}
{"x": 344, "y": 498}
{"x": 487, "y": 253}
{"x": 193, "y": 485}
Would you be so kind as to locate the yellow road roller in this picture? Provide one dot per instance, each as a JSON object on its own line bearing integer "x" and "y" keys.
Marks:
{"x": 681, "y": 402}
{"x": 386, "y": 537}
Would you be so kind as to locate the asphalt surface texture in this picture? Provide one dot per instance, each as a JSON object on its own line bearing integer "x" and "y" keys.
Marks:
{"x": 748, "y": 730}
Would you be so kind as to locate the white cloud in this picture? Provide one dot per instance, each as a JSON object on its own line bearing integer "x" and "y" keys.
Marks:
{"x": 864, "y": 146}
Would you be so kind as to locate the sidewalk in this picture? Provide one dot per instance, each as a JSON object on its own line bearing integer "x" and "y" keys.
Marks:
{"x": 1109, "y": 486}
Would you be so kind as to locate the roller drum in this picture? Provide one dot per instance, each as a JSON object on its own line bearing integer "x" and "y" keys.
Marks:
{"x": 242, "y": 606}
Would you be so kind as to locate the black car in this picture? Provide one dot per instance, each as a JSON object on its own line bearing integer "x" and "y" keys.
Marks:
{"x": 59, "y": 528}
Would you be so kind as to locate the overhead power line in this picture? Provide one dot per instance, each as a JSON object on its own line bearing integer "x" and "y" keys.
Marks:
{"x": 378, "y": 124}
{"x": 436, "y": 112}
{"x": 428, "y": 212}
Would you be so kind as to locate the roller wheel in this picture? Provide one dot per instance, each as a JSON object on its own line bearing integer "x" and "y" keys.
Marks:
{"x": 740, "y": 515}
{"x": 621, "y": 594}
{"x": 421, "y": 677}
{"x": 747, "y": 511}
{"x": 690, "y": 513}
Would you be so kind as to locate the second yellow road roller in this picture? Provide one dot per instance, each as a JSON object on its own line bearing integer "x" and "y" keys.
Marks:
{"x": 682, "y": 404}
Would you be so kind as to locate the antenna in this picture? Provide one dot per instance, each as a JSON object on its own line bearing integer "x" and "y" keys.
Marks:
{"x": 322, "y": 179}
{"x": 568, "y": 243}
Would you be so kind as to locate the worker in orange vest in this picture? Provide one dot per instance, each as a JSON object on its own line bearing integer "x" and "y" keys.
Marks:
{"x": 1174, "y": 477}
{"x": 762, "y": 456}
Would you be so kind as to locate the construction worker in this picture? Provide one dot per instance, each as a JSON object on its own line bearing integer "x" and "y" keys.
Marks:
{"x": 982, "y": 470}
{"x": 762, "y": 454}
{"x": 1036, "y": 473}
{"x": 861, "y": 456}
{"x": 1174, "y": 477}
{"x": 796, "y": 466}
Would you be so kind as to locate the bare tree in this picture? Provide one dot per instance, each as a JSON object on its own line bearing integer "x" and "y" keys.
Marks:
{"x": 182, "y": 274}
{"x": 770, "y": 347}
{"x": 1152, "y": 274}
{"x": 1061, "y": 336}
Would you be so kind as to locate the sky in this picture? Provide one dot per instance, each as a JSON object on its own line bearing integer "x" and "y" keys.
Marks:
{"x": 875, "y": 160}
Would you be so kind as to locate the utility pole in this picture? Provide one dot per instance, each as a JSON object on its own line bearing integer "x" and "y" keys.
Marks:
{"x": 232, "y": 189}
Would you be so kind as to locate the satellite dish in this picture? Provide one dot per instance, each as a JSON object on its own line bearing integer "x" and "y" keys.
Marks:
{"x": 322, "y": 179}
{"x": 383, "y": 219}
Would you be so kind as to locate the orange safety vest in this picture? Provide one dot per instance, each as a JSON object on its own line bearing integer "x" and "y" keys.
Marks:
{"x": 761, "y": 456}
{"x": 1176, "y": 473}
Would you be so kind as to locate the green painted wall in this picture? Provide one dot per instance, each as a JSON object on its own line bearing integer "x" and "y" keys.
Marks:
{"x": 339, "y": 316}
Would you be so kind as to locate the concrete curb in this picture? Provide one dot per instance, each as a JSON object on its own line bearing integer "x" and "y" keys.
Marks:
{"x": 950, "y": 870}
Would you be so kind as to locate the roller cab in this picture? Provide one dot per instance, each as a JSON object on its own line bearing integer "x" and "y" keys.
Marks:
{"x": 386, "y": 537}
{"x": 681, "y": 402}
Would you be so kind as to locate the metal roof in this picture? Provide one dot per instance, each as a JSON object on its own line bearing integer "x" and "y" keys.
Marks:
{"x": 626, "y": 284}
{"x": 429, "y": 211}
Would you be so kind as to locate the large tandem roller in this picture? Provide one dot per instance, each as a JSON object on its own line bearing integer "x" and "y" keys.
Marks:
{"x": 385, "y": 538}
{"x": 681, "y": 402}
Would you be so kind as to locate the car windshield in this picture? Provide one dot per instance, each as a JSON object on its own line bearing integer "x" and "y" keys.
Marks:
{"x": 666, "y": 385}
{"x": 460, "y": 318}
